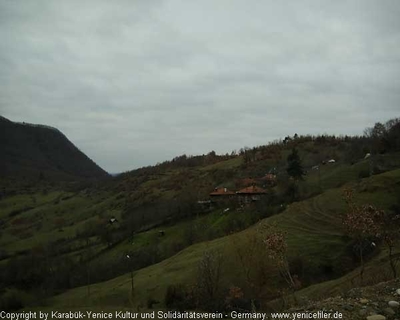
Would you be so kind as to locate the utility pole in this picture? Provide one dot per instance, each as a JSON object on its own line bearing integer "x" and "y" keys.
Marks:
{"x": 131, "y": 268}
{"x": 371, "y": 165}
{"x": 88, "y": 278}
{"x": 371, "y": 159}
{"x": 319, "y": 179}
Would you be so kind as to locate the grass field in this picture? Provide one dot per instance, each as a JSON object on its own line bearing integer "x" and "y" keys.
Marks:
{"x": 315, "y": 235}
{"x": 314, "y": 232}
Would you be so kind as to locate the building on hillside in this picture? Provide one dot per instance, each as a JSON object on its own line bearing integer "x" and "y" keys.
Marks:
{"x": 250, "y": 194}
{"x": 268, "y": 180}
{"x": 221, "y": 194}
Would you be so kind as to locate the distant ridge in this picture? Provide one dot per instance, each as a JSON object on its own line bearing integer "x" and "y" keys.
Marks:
{"x": 36, "y": 152}
{"x": 38, "y": 126}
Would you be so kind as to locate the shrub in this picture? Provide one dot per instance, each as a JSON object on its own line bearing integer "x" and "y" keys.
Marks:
{"x": 208, "y": 286}
{"x": 150, "y": 302}
{"x": 296, "y": 266}
{"x": 235, "y": 300}
{"x": 13, "y": 299}
{"x": 180, "y": 297}
{"x": 363, "y": 174}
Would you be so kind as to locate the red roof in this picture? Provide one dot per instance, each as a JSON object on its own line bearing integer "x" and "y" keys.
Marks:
{"x": 252, "y": 190}
{"x": 221, "y": 192}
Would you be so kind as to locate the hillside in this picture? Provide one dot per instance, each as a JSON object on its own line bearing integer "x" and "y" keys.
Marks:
{"x": 37, "y": 152}
{"x": 76, "y": 245}
{"x": 359, "y": 303}
{"x": 317, "y": 245}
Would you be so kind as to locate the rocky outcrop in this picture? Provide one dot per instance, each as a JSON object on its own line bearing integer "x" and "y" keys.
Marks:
{"x": 378, "y": 302}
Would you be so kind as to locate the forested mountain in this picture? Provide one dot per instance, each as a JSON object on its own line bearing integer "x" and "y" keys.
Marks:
{"x": 38, "y": 152}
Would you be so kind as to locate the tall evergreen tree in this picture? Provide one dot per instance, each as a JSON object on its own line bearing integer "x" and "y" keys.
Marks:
{"x": 295, "y": 168}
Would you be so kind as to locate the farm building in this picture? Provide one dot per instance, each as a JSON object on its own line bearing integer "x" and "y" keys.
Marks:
{"x": 220, "y": 194}
{"x": 250, "y": 194}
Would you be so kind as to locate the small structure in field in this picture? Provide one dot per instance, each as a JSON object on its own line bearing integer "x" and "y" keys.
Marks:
{"x": 112, "y": 220}
{"x": 332, "y": 161}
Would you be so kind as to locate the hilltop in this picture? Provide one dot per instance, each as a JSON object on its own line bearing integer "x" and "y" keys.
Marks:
{"x": 39, "y": 152}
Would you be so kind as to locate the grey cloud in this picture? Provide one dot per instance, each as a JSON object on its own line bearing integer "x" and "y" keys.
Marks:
{"x": 135, "y": 83}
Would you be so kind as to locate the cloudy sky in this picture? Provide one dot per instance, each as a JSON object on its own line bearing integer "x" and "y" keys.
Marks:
{"x": 132, "y": 83}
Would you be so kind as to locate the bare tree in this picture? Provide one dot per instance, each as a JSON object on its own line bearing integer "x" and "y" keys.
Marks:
{"x": 208, "y": 279}
{"x": 254, "y": 261}
{"x": 361, "y": 222}
{"x": 275, "y": 241}
{"x": 390, "y": 235}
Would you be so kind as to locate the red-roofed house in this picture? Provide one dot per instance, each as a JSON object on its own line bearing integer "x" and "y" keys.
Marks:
{"x": 221, "y": 193}
{"x": 249, "y": 194}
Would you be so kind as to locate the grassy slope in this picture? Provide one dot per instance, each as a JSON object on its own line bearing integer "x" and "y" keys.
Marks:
{"x": 314, "y": 232}
{"x": 40, "y": 219}
{"x": 224, "y": 165}
{"x": 41, "y": 214}
{"x": 306, "y": 222}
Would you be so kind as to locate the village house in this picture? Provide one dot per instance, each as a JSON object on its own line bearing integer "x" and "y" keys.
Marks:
{"x": 249, "y": 190}
{"x": 250, "y": 194}
{"x": 221, "y": 194}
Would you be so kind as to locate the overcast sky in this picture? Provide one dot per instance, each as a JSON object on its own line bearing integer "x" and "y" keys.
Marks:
{"x": 132, "y": 83}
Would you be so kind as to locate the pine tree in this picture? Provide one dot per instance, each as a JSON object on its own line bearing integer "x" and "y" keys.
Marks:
{"x": 295, "y": 168}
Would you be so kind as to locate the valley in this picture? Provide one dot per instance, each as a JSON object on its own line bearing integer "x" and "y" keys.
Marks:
{"x": 143, "y": 239}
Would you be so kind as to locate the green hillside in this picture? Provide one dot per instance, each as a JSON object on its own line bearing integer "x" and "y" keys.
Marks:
{"x": 314, "y": 233}
{"x": 77, "y": 243}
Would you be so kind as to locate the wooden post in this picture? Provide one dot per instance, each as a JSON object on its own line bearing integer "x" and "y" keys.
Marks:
{"x": 132, "y": 284}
